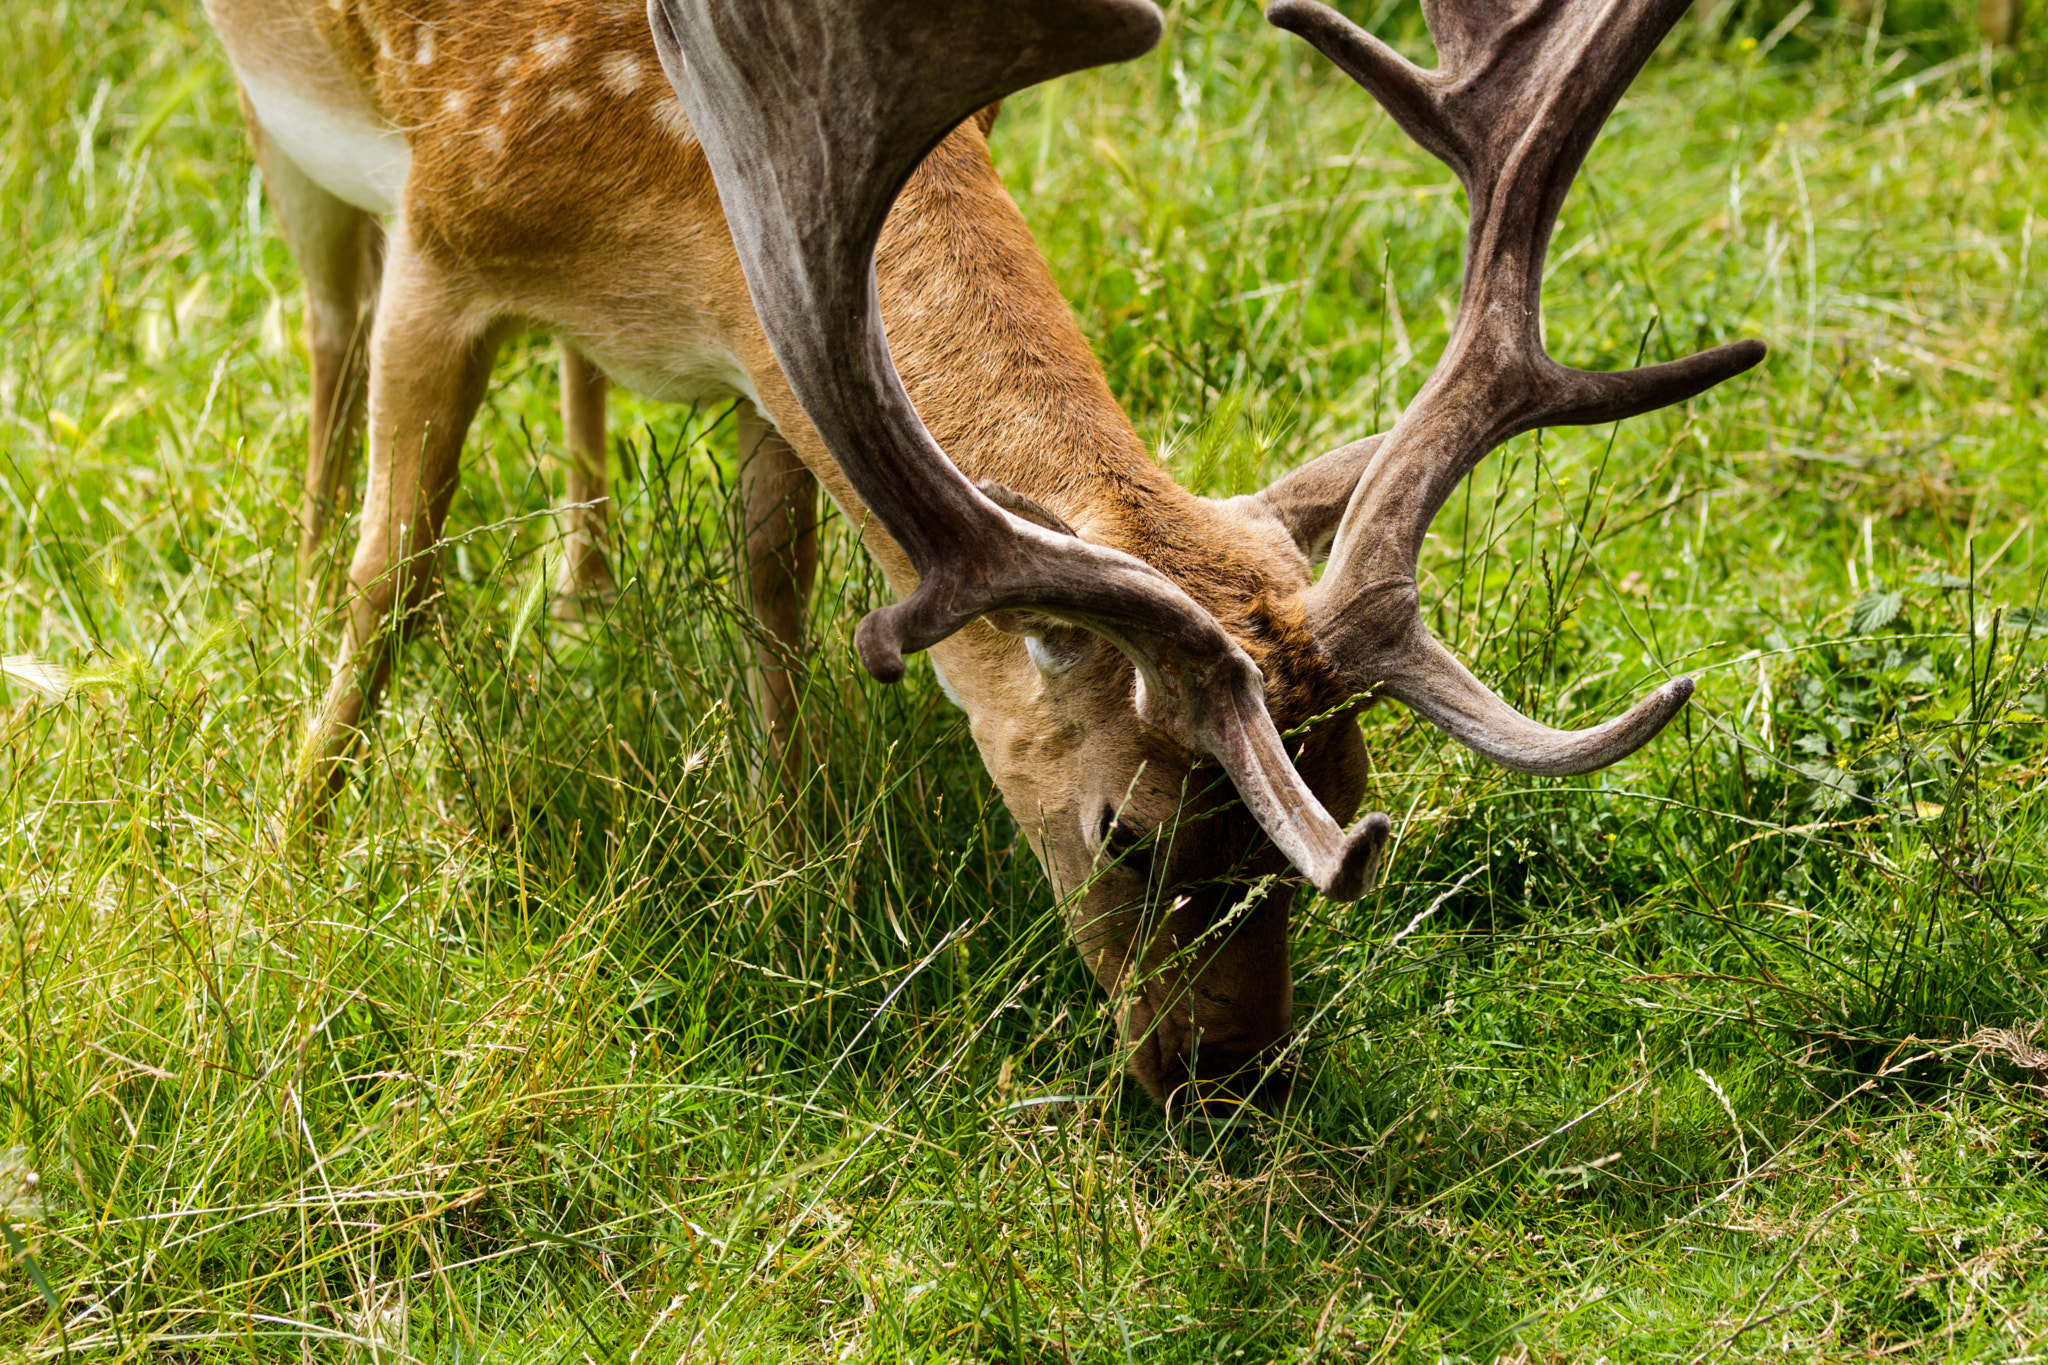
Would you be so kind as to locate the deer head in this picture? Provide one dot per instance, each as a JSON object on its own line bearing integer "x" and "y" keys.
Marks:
{"x": 1146, "y": 760}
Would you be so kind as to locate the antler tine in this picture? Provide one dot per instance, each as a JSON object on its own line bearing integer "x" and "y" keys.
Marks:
{"x": 1519, "y": 95}
{"x": 812, "y": 115}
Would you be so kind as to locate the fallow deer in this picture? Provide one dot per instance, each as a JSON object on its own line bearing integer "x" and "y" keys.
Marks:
{"x": 812, "y": 172}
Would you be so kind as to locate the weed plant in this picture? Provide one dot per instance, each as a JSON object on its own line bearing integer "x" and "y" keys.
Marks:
{"x": 1732, "y": 1051}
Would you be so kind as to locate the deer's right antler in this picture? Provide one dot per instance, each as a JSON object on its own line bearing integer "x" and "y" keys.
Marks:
{"x": 1519, "y": 94}
{"x": 812, "y": 115}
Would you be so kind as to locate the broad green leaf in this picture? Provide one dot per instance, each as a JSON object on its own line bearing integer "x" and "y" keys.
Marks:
{"x": 2027, "y": 621}
{"x": 1874, "y": 611}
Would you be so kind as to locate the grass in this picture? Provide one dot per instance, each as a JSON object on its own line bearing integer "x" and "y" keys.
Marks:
{"x": 1730, "y": 1052}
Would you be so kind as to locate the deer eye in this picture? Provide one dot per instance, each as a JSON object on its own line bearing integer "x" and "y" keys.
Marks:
{"x": 1119, "y": 842}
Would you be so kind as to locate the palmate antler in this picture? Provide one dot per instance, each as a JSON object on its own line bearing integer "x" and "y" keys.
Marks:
{"x": 1519, "y": 94}
{"x": 813, "y": 114}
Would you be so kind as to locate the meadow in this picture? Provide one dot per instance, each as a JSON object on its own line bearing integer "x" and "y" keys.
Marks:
{"x": 547, "y": 1052}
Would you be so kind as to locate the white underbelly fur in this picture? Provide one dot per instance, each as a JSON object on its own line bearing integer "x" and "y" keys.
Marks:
{"x": 310, "y": 111}
{"x": 945, "y": 684}
{"x": 347, "y": 152}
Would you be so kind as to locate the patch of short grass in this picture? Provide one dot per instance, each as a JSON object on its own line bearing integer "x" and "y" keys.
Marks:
{"x": 1732, "y": 1051}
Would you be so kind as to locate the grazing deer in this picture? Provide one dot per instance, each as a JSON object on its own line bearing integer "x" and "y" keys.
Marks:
{"x": 813, "y": 170}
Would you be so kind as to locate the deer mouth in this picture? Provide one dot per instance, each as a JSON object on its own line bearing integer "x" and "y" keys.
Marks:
{"x": 1206, "y": 995}
{"x": 1214, "y": 1072}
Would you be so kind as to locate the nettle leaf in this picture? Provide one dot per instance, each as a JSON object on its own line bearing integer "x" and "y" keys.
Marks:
{"x": 1876, "y": 610}
{"x": 2030, "y": 621}
{"x": 1832, "y": 787}
{"x": 1813, "y": 696}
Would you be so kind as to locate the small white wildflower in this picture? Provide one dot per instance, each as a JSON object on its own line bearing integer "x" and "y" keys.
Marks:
{"x": 21, "y": 1189}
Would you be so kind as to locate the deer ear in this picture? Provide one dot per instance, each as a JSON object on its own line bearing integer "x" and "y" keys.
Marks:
{"x": 1015, "y": 503}
{"x": 987, "y": 117}
{"x": 1054, "y": 645}
{"x": 1310, "y": 501}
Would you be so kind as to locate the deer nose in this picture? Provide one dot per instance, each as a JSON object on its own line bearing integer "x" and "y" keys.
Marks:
{"x": 1226, "y": 1084}
{"x": 1209, "y": 1075}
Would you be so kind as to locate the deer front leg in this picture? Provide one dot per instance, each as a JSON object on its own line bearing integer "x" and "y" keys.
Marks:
{"x": 585, "y": 574}
{"x": 780, "y": 500}
{"x": 337, "y": 247}
{"x": 429, "y": 363}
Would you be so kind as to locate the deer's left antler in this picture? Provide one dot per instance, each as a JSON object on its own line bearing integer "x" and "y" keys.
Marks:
{"x": 813, "y": 114}
{"x": 1519, "y": 94}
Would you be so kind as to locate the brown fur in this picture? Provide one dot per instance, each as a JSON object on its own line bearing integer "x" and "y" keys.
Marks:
{"x": 554, "y": 182}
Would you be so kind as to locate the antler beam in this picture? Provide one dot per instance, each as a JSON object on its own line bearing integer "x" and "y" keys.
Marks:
{"x": 813, "y": 114}
{"x": 1520, "y": 93}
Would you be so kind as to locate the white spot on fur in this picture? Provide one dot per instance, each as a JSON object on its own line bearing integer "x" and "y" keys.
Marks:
{"x": 494, "y": 139}
{"x": 668, "y": 112}
{"x": 570, "y": 102}
{"x": 455, "y": 104}
{"x": 621, "y": 72}
{"x": 506, "y": 68}
{"x": 554, "y": 49}
{"x": 423, "y": 52}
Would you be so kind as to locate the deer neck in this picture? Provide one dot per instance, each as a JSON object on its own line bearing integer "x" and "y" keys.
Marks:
{"x": 1000, "y": 373}
{"x": 991, "y": 355}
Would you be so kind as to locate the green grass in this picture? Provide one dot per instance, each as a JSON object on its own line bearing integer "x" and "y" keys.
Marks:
{"x": 1720, "y": 1054}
